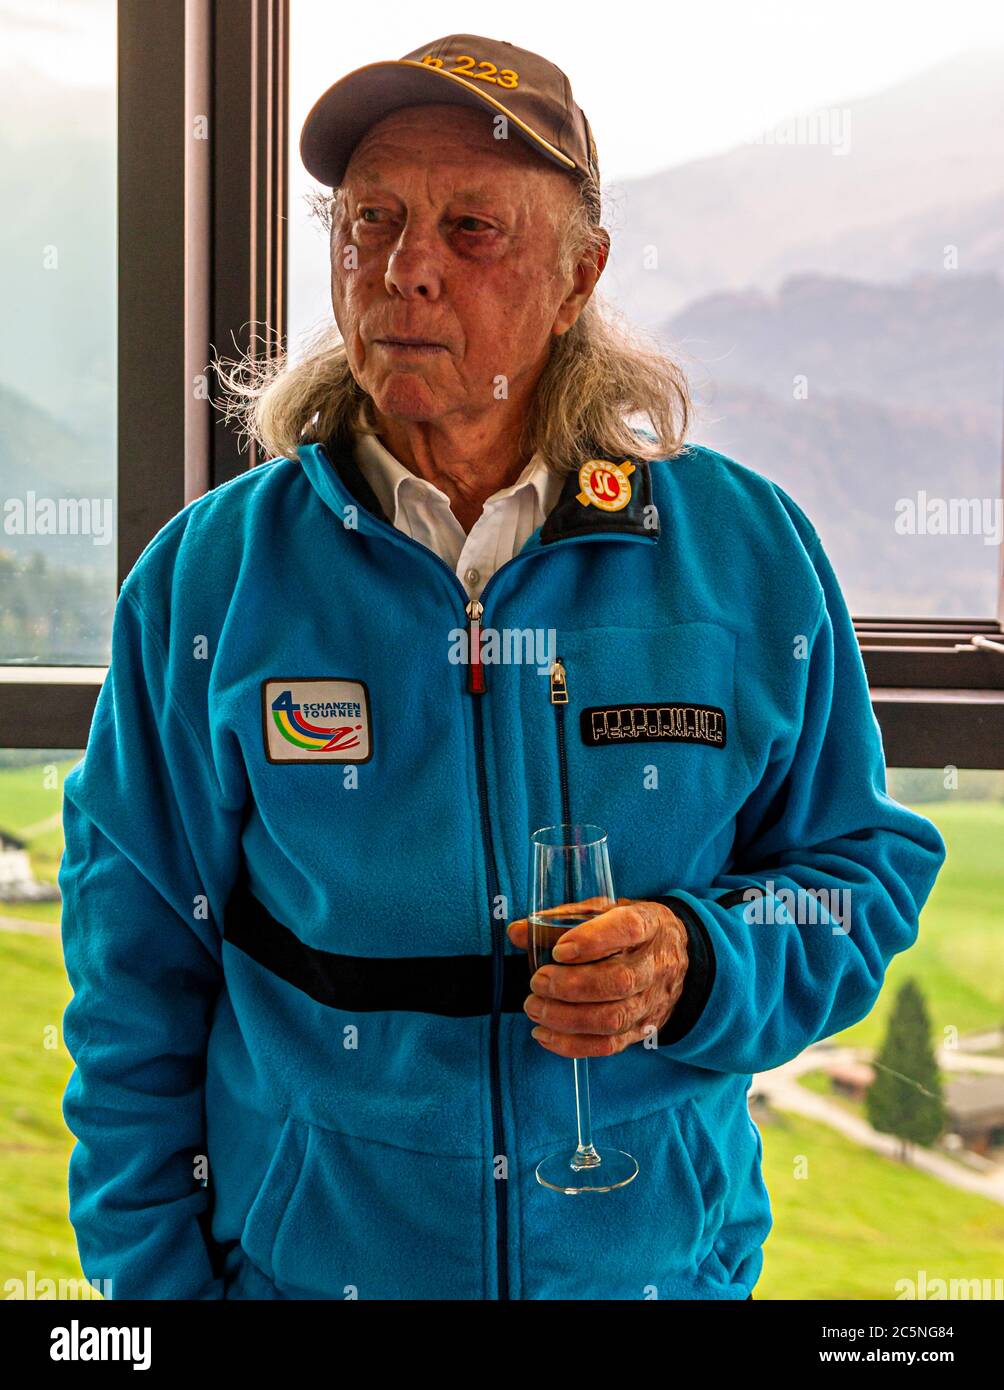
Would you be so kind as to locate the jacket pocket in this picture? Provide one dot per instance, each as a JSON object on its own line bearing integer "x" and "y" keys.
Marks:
{"x": 642, "y": 1241}
{"x": 274, "y": 1194}
{"x": 623, "y": 715}
{"x": 340, "y": 1217}
{"x": 710, "y": 1173}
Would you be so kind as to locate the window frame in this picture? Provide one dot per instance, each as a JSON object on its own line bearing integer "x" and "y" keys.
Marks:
{"x": 200, "y": 264}
{"x": 203, "y": 266}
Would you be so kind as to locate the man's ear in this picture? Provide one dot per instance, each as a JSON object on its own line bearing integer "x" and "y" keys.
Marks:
{"x": 586, "y": 276}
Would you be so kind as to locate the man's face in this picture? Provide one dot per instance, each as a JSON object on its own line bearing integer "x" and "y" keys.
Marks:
{"x": 455, "y": 247}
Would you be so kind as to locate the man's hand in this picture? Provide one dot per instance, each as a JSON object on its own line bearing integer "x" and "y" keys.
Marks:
{"x": 598, "y": 1006}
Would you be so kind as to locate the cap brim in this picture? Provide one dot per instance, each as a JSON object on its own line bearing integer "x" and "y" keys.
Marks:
{"x": 341, "y": 116}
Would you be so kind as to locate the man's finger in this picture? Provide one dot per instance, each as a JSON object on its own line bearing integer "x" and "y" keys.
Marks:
{"x": 590, "y": 1044}
{"x": 617, "y": 929}
{"x": 597, "y": 981}
{"x": 519, "y": 931}
{"x": 613, "y": 1016}
{"x": 519, "y": 934}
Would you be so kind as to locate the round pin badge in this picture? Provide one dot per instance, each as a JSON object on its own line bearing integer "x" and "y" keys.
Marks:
{"x": 605, "y": 484}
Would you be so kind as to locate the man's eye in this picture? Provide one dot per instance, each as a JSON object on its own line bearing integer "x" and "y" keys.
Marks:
{"x": 479, "y": 225}
{"x": 364, "y": 214}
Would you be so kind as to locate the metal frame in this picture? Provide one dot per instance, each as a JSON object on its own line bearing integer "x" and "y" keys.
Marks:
{"x": 937, "y": 654}
{"x": 953, "y": 728}
{"x": 937, "y": 687}
{"x": 202, "y": 264}
{"x": 249, "y": 195}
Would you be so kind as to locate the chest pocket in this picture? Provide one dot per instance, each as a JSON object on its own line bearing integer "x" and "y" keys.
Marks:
{"x": 648, "y": 744}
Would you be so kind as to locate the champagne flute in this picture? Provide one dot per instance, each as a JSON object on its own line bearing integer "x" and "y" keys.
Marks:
{"x": 570, "y": 883}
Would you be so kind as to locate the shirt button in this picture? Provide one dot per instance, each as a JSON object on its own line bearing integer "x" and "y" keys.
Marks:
{"x": 472, "y": 576}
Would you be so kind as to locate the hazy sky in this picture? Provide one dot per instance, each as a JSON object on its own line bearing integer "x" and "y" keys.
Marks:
{"x": 658, "y": 87}
{"x": 662, "y": 87}
{"x": 72, "y": 41}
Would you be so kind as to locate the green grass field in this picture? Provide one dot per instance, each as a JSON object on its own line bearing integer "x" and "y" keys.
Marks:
{"x": 30, "y": 797}
{"x": 857, "y": 1224}
{"x": 34, "y": 1143}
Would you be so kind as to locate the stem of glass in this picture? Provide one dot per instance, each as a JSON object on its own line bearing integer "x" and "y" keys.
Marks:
{"x": 585, "y": 1155}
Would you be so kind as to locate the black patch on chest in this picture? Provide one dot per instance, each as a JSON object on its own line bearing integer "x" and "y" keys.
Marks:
{"x": 670, "y": 722}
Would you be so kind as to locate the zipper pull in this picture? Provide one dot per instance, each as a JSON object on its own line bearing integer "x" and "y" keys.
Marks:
{"x": 559, "y": 685}
{"x": 475, "y": 668}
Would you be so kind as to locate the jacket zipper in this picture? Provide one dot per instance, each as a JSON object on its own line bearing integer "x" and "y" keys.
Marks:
{"x": 559, "y": 699}
{"x": 476, "y": 685}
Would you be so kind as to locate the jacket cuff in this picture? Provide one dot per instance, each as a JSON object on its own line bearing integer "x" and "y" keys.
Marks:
{"x": 700, "y": 976}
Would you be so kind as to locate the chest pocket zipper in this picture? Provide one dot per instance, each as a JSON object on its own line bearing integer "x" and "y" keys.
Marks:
{"x": 559, "y": 701}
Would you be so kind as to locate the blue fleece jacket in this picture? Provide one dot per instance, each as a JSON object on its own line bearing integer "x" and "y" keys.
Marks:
{"x": 301, "y": 827}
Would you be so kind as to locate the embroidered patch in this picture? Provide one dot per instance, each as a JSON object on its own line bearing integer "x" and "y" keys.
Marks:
{"x": 604, "y": 484}
{"x": 665, "y": 723}
{"x": 322, "y": 720}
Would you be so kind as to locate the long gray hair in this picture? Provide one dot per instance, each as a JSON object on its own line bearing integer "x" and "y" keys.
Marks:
{"x": 600, "y": 372}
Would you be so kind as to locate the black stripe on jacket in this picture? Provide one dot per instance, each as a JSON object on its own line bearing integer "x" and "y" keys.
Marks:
{"x": 453, "y": 986}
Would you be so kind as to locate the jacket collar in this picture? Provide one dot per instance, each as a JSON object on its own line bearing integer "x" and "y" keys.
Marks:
{"x": 567, "y": 519}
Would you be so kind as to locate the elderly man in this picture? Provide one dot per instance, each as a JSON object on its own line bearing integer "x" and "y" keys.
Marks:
{"x": 464, "y": 599}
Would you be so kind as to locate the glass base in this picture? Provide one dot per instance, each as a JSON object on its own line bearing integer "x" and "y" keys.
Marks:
{"x": 587, "y": 1170}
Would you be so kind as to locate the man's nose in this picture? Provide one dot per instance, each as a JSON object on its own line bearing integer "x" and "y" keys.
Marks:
{"x": 414, "y": 268}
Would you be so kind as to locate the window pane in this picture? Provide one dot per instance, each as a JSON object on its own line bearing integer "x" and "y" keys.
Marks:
{"x": 58, "y": 349}
{"x": 813, "y": 224}
{"x": 851, "y": 1220}
{"x": 36, "y": 1239}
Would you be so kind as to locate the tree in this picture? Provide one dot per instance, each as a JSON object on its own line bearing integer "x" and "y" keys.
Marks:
{"x": 906, "y": 1099}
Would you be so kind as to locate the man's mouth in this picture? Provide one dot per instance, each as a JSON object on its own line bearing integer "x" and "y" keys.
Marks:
{"x": 410, "y": 345}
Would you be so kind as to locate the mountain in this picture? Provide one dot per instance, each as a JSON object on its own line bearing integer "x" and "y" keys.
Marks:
{"x": 40, "y": 454}
{"x": 58, "y": 192}
{"x": 924, "y": 170}
{"x": 934, "y": 343}
{"x": 903, "y": 396}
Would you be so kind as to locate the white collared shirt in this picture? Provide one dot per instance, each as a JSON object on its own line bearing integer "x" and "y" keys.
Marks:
{"x": 419, "y": 509}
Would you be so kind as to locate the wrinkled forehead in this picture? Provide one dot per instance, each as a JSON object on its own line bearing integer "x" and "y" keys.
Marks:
{"x": 446, "y": 138}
